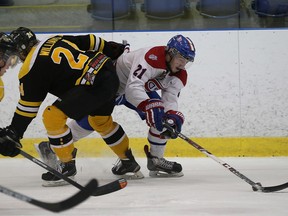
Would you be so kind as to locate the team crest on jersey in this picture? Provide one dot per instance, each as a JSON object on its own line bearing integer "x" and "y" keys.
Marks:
{"x": 152, "y": 85}
{"x": 98, "y": 61}
{"x": 94, "y": 66}
{"x": 153, "y": 57}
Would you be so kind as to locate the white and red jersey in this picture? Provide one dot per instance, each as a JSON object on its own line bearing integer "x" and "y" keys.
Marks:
{"x": 145, "y": 70}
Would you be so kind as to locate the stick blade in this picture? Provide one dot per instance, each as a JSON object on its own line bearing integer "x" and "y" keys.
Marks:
{"x": 110, "y": 187}
{"x": 275, "y": 188}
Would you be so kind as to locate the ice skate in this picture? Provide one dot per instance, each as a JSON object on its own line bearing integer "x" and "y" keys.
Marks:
{"x": 47, "y": 155}
{"x": 128, "y": 168}
{"x": 160, "y": 167}
{"x": 68, "y": 169}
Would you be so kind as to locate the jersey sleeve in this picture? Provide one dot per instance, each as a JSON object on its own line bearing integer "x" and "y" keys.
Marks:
{"x": 87, "y": 42}
{"x": 33, "y": 91}
{"x": 91, "y": 42}
{"x": 25, "y": 112}
{"x": 174, "y": 84}
{"x": 170, "y": 97}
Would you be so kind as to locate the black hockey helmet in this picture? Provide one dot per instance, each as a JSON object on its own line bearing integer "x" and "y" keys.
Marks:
{"x": 6, "y": 42}
{"x": 25, "y": 39}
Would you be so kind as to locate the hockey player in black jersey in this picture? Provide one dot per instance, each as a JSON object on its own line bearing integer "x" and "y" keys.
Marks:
{"x": 78, "y": 70}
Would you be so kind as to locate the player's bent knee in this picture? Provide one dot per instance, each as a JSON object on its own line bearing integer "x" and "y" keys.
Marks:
{"x": 102, "y": 124}
{"x": 54, "y": 120}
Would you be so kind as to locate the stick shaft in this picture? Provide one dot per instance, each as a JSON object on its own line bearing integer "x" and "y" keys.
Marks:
{"x": 218, "y": 160}
{"x": 50, "y": 169}
{"x": 209, "y": 154}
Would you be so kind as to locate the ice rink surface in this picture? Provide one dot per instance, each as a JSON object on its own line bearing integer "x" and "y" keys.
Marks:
{"x": 206, "y": 189}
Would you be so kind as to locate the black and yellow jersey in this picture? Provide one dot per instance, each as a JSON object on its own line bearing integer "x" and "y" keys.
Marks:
{"x": 55, "y": 66}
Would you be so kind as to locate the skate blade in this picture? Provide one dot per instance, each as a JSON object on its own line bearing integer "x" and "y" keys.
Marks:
{"x": 161, "y": 174}
{"x": 132, "y": 176}
{"x": 58, "y": 183}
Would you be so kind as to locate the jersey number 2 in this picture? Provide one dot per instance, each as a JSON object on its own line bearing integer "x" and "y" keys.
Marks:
{"x": 77, "y": 64}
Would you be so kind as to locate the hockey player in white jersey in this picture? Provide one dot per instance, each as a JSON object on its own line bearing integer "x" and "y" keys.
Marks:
{"x": 148, "y": 70}
{"x": 141, "y": 73}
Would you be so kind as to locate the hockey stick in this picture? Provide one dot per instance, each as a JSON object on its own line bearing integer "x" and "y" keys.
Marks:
{"x": 57, "y": 206}
{"x": 255, "y": 186}
{"x": 102, "y": 190}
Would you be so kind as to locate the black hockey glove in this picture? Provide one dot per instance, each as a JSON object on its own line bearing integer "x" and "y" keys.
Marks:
{"x": 113, "y": 49}
{"x": 9, "y": 142}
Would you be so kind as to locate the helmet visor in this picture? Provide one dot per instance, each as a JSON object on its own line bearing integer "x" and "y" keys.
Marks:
{"x": 8, "y": 59}
{"x": 183, "y": 63}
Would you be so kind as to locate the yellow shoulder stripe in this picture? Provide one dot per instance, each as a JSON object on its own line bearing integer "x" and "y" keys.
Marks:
{"x": 25, "y": 67}
{"x": 92, "y": 42}
{"x": 101, "y": 45}
{"x": 31, "y": 104}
